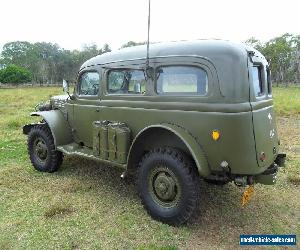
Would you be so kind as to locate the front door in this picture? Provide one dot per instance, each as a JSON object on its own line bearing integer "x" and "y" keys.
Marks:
{"x": 86, "y": 106}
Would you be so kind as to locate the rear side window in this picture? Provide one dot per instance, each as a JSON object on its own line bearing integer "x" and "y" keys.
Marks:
{"x": 126, "y": 81}
{"x": 181, "y": 80}
{"x": 257, "y": 80}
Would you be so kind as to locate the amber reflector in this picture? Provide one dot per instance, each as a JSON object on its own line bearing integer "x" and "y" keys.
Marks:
{"x": 215, "y": 134}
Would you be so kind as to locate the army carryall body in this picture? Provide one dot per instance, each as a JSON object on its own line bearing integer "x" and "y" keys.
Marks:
{"x": 205, "y": 104}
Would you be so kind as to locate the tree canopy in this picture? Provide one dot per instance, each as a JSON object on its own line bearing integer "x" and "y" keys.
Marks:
{"x": 49, "y": 63}
{"x": 131, "y": 44}
{"x": 14, "y": 74}
{"x": 283, "y": 54}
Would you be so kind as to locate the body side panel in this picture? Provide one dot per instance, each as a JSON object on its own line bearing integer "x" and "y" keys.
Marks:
{"x": 236, "y": 144}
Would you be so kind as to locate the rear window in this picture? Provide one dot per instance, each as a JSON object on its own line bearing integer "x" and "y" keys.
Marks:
{"x": 269, "y": 81}
{"x": 257, "y": 80}
{"x": 188, "y": 80}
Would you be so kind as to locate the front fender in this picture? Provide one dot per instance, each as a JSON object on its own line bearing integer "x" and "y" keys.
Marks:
{"x": 58, "y": 125}
{"x": 191, "y": 143}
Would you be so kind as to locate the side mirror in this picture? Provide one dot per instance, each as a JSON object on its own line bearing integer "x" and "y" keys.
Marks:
{"x": 66, "y": 89}
{"x": 65, "y": 86}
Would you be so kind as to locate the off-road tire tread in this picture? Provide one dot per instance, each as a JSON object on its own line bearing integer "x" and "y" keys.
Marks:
{"x": 55, "y": 157}
{"x": 191, "y": 174}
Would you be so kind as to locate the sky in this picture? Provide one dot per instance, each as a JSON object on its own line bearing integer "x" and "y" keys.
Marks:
{"x": 71, "y": 24}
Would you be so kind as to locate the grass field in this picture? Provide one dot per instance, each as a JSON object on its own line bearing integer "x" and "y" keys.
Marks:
{"x": 87, "y": 206}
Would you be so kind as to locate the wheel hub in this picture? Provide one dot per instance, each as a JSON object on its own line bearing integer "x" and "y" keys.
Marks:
{"x": 41, "y": 150}
{"x": 164, "y": 187}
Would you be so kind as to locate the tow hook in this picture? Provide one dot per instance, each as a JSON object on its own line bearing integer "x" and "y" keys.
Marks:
{"x": 242, "y": 181}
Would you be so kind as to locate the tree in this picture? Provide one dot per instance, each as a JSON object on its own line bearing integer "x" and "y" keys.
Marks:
{"x": 256, "y": 44}
{"x": 296, "y": 57}
{"x": 106, "y": 48}
{"x": 283, "y": 52}
{"x": 16, "y": 52}
{"x": 280, "y": 52}
{"x": 49, "y": 62}
{"x": 131, "y": 44}
{"x": 14, "y": 74}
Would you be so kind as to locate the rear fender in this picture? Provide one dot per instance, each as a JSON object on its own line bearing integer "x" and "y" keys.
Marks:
{"x": 190, "y": 142}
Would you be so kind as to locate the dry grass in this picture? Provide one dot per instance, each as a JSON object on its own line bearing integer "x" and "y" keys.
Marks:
{"x": 86, "y": 206}
{"x": 58, "y": 209}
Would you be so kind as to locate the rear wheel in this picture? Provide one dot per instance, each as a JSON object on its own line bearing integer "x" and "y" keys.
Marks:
{"x": 42, "y": 151}
{"x": 168, "y": 185}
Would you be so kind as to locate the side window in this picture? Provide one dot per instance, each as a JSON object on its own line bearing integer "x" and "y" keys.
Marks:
{"x": 89, "y": 83}
{"x": 126, "y": 82}
{"x": 181, "y": 79}
{"x": 257, "y": 80}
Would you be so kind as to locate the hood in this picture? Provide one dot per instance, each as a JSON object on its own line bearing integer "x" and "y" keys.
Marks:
{"x": 58, "y": 101}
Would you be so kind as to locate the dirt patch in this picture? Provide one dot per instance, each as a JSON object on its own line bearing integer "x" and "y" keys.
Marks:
{"x": 295, "y": 180}
{"x": 58, "y": 210}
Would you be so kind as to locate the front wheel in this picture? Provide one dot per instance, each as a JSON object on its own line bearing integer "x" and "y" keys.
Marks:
{"x": 41, "y": 149}
{"x": 168, "y": 185}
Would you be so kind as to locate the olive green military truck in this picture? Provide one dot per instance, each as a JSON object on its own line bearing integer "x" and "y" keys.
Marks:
{"x": 191, "y": 110}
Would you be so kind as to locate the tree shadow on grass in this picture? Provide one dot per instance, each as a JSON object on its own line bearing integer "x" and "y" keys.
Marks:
{"x": 92, "y": 175}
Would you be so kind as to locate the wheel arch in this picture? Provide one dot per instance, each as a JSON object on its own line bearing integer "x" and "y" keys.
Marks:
{"x": 180, "y": 137}
{"x": 58, "y": 125}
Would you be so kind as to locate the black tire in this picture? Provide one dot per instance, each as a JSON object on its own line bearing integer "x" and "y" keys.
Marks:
{"x": 41, "y": 149}
{"x": 168, "y": 185}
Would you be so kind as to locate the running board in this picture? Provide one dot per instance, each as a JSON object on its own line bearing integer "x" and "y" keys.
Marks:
{"x": 76, "y": 150}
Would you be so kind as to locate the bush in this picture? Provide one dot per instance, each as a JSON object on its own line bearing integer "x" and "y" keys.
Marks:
{"x": 15, "y": 74}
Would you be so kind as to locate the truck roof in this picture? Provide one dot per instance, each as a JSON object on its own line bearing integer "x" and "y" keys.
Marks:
{"x": 209, "y": 49}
